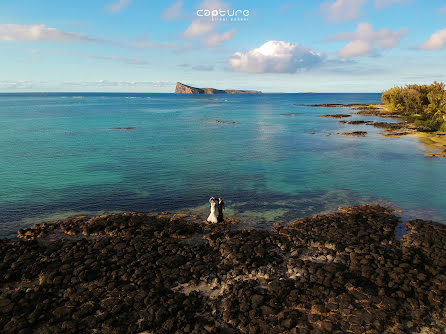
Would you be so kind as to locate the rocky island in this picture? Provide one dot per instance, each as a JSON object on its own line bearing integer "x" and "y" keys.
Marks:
{"x": 185, "y": 89}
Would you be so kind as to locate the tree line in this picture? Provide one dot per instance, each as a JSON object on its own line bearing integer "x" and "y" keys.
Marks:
{"x": 424, "y": 105}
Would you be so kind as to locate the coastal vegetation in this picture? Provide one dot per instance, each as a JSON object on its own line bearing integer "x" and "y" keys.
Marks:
{"x": 423, "y": 105}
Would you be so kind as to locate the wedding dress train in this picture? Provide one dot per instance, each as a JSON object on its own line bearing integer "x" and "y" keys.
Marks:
{"x": 212, "y": 216}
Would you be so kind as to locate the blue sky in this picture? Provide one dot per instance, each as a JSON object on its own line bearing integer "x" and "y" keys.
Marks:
{"x": 289, "y": 46}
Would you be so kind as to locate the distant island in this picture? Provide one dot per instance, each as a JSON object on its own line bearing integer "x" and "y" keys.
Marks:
{"x": 185, "y": 89}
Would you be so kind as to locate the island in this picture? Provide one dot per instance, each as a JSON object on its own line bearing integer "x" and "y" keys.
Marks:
{"x": 185, "y": 89}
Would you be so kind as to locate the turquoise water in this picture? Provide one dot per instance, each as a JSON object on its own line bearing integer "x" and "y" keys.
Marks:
{"x": 60, "y": 155}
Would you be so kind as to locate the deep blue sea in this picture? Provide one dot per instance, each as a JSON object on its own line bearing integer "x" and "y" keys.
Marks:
{"x": 60, "y": 156}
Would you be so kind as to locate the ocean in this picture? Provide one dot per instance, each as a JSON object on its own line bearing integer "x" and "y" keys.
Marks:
{"x": 61, "y": 154}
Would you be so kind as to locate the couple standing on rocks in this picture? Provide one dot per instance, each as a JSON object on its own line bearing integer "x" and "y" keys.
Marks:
{"x": 220, "y": 205}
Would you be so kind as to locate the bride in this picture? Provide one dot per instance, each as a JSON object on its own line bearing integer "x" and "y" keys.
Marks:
{"x": 212, "y": 217}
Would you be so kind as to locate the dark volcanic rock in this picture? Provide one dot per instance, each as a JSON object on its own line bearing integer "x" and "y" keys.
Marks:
{"x": 355, "y": 122}
{"x": 127, "y": 128}
{"x": 224, "y": 122}
{"x": 354, "y": 133}
{"x": 132, "y": 273}
{"x": 389, "y": 126}
{"x": 335, "y": 116}
{"x": 332, "y": 105}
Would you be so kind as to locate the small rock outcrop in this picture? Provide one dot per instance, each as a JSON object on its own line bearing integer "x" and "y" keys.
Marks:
{"x": 185, "y": 89}
{"x": 335, "y": 116}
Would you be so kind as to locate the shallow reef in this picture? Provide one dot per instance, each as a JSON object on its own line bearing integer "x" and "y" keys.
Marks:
{"x": 354, "y": 133}
{"x": 342, "y": 272}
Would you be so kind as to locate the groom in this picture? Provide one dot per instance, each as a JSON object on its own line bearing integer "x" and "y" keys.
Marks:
{"x": 221, "y": 207}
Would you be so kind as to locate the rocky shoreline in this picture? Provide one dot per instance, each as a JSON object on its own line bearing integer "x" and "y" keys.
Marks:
{"x": 160, "y": 273}
{"x": 435, "y": 141}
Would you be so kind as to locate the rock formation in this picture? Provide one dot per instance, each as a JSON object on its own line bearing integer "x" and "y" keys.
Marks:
{"x": 342, "y": 272}
{"x": 185, "y": 89}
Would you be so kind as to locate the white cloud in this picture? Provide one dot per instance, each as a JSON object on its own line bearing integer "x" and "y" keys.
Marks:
{"x": 203, "y": 28}
{"x": 216, "y": 38}
{"x": 276, "y": 57}
{"x": 174, "y": 11}
{"x": 117, "y": 6}
{"x": 356, "y": 48}
{"x": 198, "y": 28}
{"x": 39, "y": 32}
{"x": 203, "y": 25}
{"x": 342, "y": 10}
{"x": 384, "y": 3}
{"x": 20, "y": 84}
{"x": 442, "y": 10}
{"x": 435, "y": 42}
{"x": 365, "y": 41}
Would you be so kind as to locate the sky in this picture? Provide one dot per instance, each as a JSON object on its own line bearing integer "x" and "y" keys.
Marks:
{"x": 272, "y": 46}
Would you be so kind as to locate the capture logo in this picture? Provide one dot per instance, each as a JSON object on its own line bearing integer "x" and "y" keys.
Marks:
{"x": 224, "y": 15}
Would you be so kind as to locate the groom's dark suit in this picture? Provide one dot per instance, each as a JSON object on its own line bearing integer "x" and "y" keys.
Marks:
{"x": 221, "y": 206}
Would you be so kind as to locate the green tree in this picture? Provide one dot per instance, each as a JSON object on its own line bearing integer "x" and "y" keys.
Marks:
{"x": 437, "y": 105}
{"x": 425, "y": 105}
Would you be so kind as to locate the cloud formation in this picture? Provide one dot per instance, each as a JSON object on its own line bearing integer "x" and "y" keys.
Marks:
{"x": 341, "y": 10}
{"x": 198, "y": 28}
{"x": 216, "y": 38}
{"x": 365, "y": 41}
{"x": 276, "y": 57}
{"x": 384, "y": 3}
{"x": 117, "y": 6}
{"x": 203, "y": 28}
{"x": 435, "y": 42}
{"x": 38, "y": 32}
{"x": 20, "y": 84}
{"x": 442, "y": 10}
{"x": 174, "y": 11}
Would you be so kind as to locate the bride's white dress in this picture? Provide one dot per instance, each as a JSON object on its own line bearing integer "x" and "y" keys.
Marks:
{"x": 213, "y": 217}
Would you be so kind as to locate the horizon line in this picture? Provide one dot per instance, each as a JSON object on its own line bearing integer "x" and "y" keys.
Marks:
{"x": 123, "y": 92}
